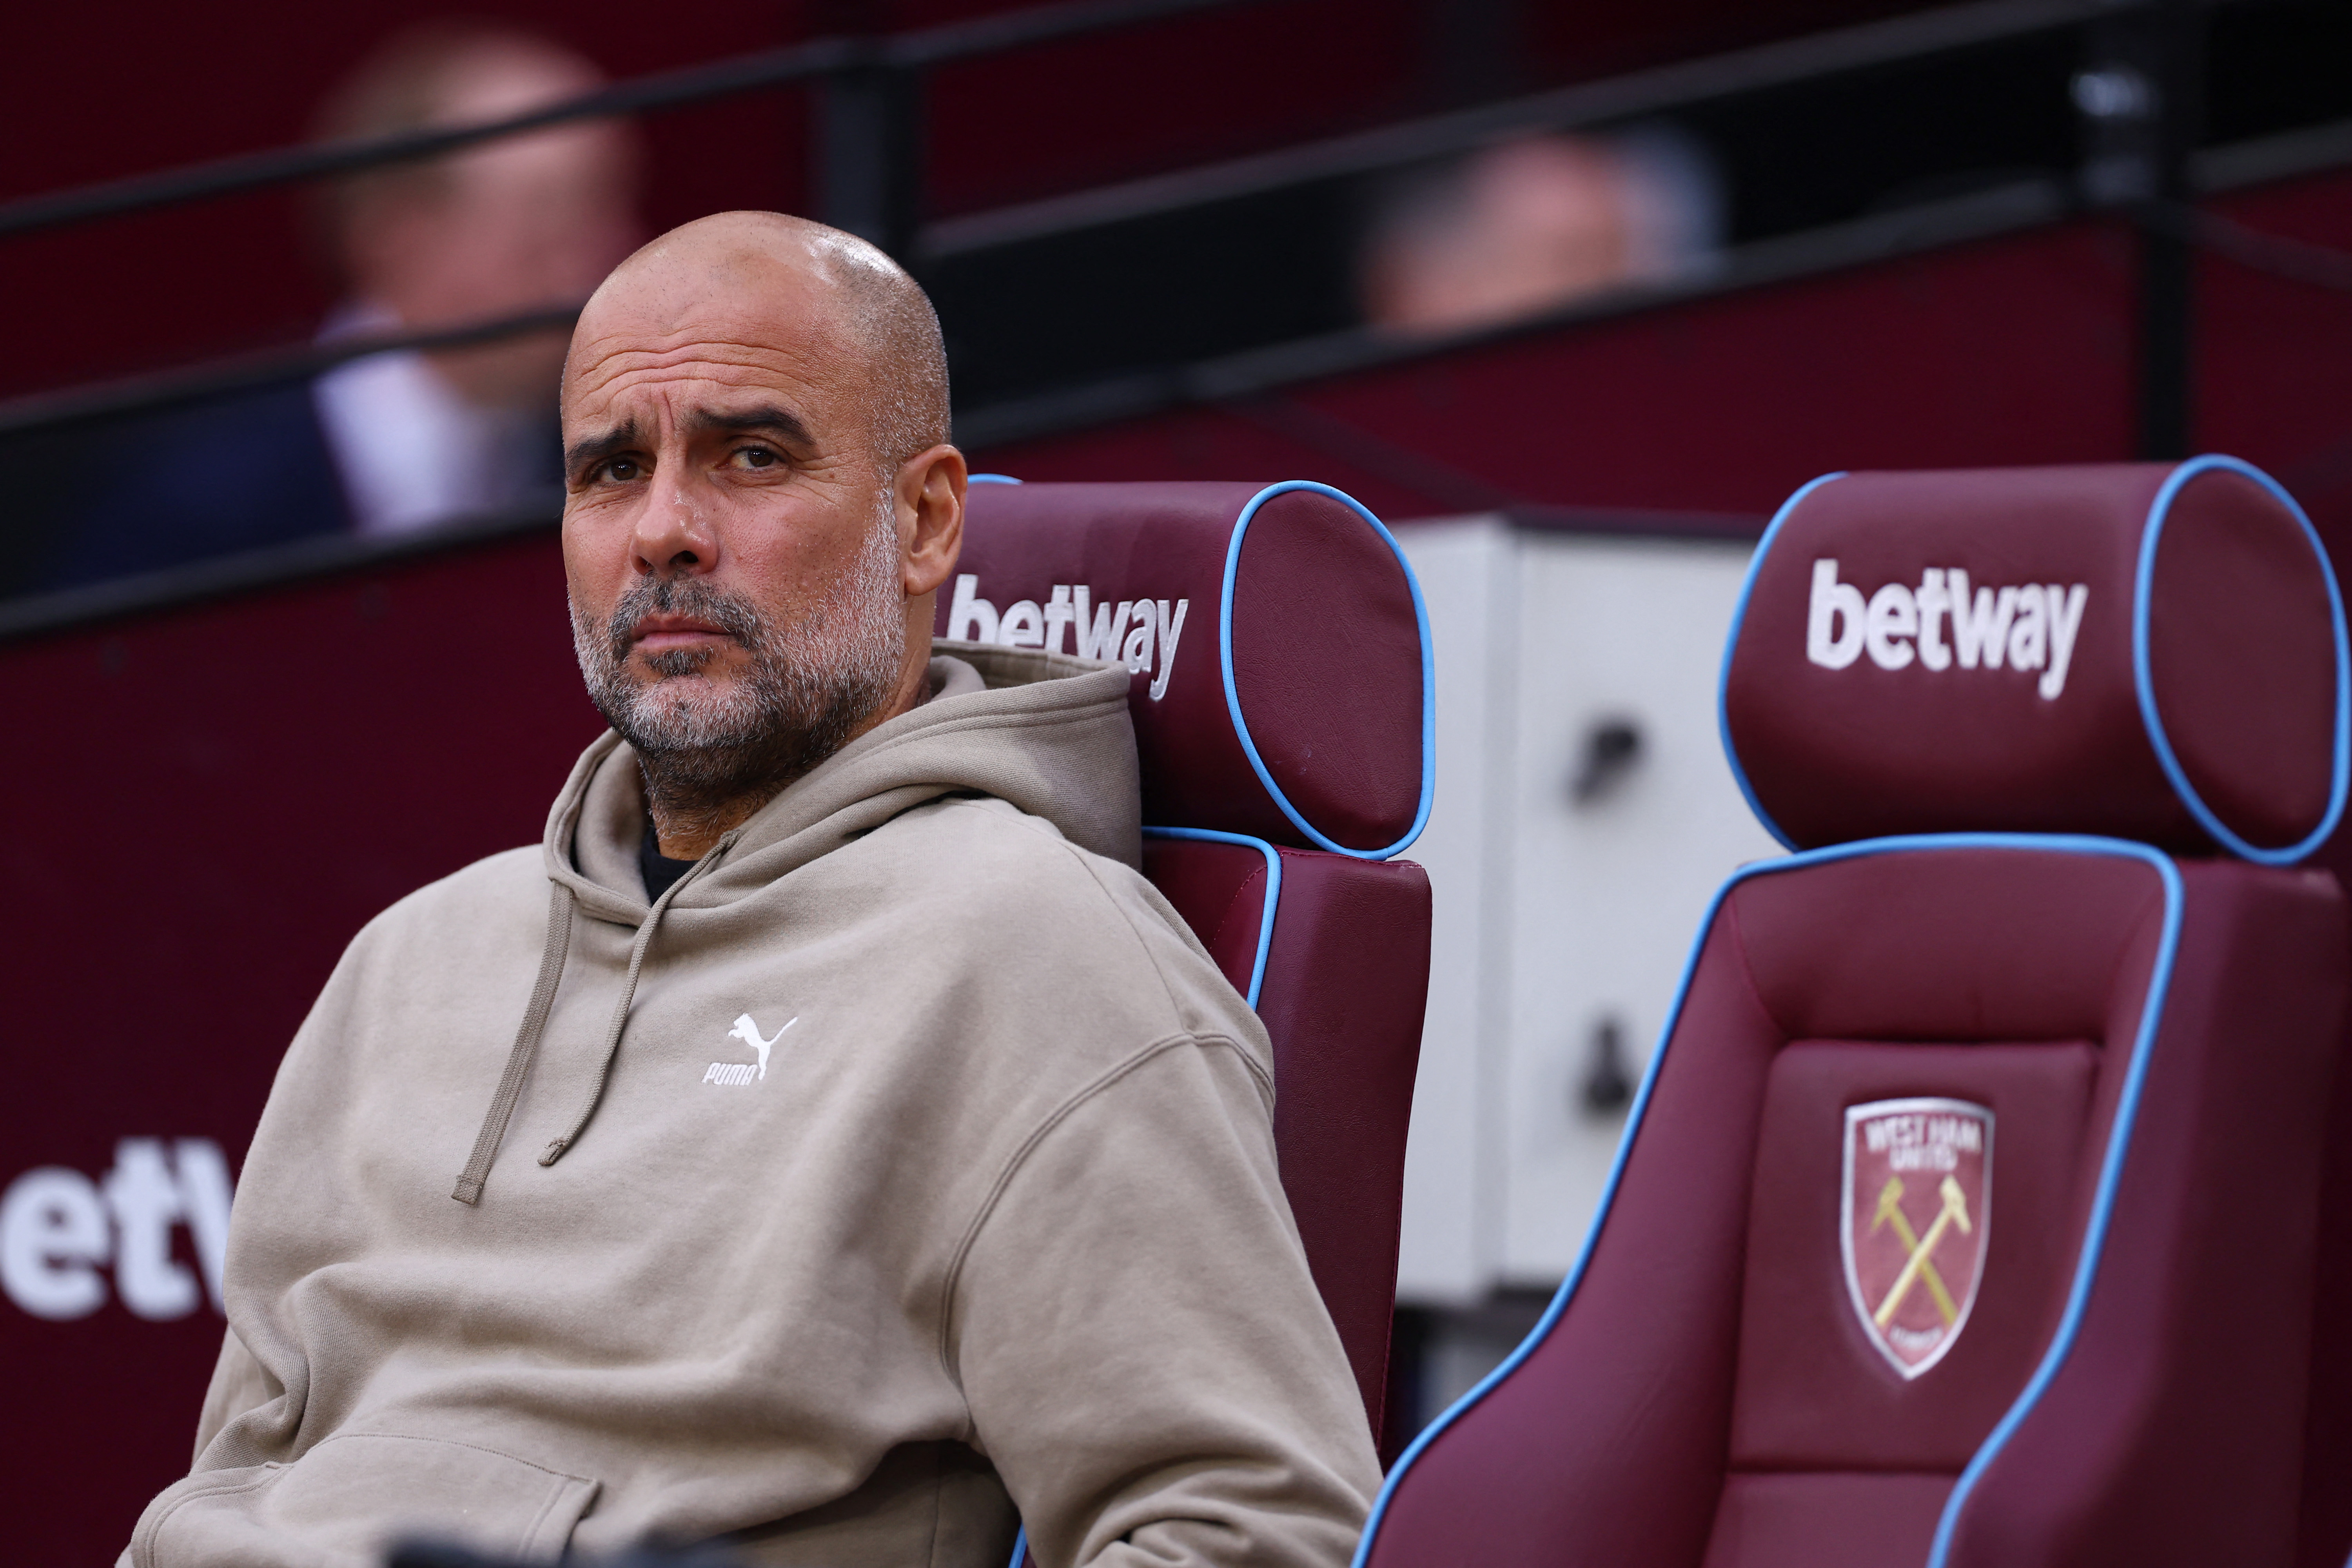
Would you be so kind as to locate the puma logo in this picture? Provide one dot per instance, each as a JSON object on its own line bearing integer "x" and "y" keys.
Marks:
{"x": 749, "y": 1032}
{"x": 745, "y": 1030}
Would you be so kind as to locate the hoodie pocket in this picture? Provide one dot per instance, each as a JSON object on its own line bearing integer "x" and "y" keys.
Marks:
{"x": 345, "y": 1502}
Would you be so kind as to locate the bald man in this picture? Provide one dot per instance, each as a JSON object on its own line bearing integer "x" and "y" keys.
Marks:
{"x": 824, "y": 1142}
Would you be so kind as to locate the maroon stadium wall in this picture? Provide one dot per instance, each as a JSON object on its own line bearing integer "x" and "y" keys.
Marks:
{"x": 207, "y": 801}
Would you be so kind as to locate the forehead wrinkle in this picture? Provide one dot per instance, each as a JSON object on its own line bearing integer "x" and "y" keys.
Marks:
{"x": 743, "y": 312}
{"x": 733, "y": 315}
{"x": 601, "y": 362}
{"x": 609, "y": 380}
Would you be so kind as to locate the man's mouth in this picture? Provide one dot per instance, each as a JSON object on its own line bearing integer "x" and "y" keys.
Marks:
{"x": 669, "y": 633}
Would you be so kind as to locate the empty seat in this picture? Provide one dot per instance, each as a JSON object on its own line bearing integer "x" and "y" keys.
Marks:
{"x": 1968, "y": 1212}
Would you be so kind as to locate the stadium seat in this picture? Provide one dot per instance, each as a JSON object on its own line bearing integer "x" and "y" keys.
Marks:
{"x": 1968, "y": 1213}
{"x": 1282, "y": 700}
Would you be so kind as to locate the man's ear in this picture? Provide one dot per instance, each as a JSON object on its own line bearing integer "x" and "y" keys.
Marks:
{"x": 931, "y": 518}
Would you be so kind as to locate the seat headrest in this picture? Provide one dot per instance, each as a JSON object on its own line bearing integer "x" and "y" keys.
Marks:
{"x": 1281, "y": 684}
{"x": 2150, "y": 651}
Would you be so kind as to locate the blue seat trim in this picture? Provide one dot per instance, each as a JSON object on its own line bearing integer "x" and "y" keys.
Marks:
{"x": 1731, "y": 642}
{"x": 1428, "y": 672}
{"x": 1273, "y": 890}
{"x": 2227, "y": 838}
{"x": 2094, "y": 1236}
{"x": 990, "y": 480}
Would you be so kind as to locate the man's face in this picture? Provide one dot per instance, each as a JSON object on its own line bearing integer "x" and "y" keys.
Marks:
{"x": 732, "y": 547}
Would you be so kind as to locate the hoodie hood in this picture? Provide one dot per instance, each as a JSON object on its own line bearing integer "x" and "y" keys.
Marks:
{"x": 1044, "y": 732}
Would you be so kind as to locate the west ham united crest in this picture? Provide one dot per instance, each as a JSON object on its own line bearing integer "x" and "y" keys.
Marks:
{"x": 1918, "y": 1202}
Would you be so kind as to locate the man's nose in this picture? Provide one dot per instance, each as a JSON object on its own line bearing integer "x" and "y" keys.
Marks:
{"x": 675, "y": 537}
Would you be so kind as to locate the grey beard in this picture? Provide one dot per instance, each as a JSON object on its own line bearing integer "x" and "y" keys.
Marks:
{"x": 806, "y": 688}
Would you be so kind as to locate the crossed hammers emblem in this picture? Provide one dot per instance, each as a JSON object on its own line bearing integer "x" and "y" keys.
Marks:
{"x": 1920, "y": 1267}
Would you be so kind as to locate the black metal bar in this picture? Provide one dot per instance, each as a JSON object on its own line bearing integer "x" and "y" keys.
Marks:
{"x": 219, "y": 378}
{"x": 278, "y": 565}
{"x": 870, "y": 154}
{"x": 667, "y": 90}
{"x": 2168, "y": 402}
{"x": 998, "y": 35}
{"x": 257, "y": 171}
{"x": 2138, "y": 94}
{"x": 2167, "y": 377}
{"x": 2299, "y": 262}
{"x": 2286, "y": 156}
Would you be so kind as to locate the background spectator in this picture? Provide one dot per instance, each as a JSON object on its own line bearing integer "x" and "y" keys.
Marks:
{"x": 517, "y": 225}
{"x": 1532, "y": 225}
{"x": 391, "y": 443}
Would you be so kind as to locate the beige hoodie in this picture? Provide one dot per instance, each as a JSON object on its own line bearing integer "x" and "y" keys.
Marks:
{"x": 934, "y": 1151}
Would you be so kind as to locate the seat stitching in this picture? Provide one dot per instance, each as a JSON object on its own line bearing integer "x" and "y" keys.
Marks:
{"x": 1746, "y": 969}
{"x": 2151, "y": 903}
{"x": 1257, "y": 875}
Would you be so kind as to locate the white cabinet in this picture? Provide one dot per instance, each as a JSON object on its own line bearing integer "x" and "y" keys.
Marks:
{"x": 1584, "y": 817}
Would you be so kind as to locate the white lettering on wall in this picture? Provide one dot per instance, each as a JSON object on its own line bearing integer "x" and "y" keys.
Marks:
{"x": 59, "y": 1228}
{"x": 1140, "y": 633}
{"x": 2031, "y": 627}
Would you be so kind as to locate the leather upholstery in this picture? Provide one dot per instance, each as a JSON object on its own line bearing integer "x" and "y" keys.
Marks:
{"x": 1220, "y": 889}
{"x": 1706, "y": 1397}
{"x": 1325, "y": 654}
{"x": 2155, "y": 1042}
{"x": 1843, "y": 735}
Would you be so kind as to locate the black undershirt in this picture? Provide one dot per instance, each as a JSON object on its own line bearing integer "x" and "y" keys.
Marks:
{"x": 658, "y": 869}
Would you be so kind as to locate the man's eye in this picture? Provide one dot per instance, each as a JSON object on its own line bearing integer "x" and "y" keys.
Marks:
{"x": 621, "y": 469}
{"x": 754, "y": 457}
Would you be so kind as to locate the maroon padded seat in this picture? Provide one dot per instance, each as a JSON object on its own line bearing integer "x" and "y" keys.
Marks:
{"x": 1282, "y": 712}
{"x": 1968, "y": 1211}
{"x": 1346, "y": 976}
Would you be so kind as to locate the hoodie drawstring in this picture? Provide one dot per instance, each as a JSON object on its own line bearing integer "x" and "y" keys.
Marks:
{"x": 534, "y": 1019}
{"x": 534, "y": 1022}
{"x": 628, "y": 994}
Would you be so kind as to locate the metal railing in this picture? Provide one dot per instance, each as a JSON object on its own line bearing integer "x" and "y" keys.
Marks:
{"x": 841, "y": 63}
{"x": 1615, "y": 100}
{"x": 870, "y": 105}
{"x": 2141, "y": 160}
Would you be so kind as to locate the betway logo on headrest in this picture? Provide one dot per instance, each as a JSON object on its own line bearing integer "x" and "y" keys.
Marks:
{"x": 1135, "y": 630}
{"x": 2031, "y": 627}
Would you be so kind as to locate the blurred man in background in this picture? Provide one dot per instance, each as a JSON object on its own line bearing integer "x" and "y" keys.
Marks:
{"x": 1534, "y": 225}
{"x": 393, "y": 443}
{"x": 519, "y": 225}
